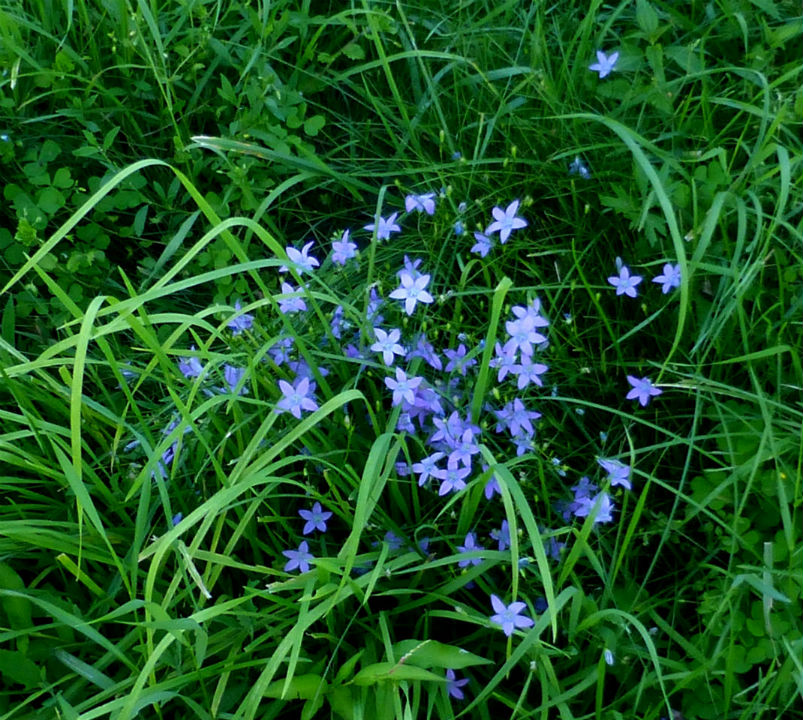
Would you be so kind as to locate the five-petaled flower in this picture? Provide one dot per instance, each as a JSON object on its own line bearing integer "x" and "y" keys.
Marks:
{"x": 240, "y": 323}
{"x": 643, "y": 389}
{"x": 190, "y": 367}
{"x": 509, "y": 617}
{"x": 421, "y": 203}
{"x": 344, "y": 249}
{"x": 618, "y": 473}
{"x": 505, "y": 221}
{"x": 316, "y": 519}
{"x": 412, "y": 290}
{"x": 387, "y": 344}
{"x": 453, "y": 685}
{"x": 605, "y": 63}
{"x": 298, "y": 559}
{"x": 625, "y": 283}
{"x": 296, "y": 397}
{"x": 302, "y": 260}
{"x": 670, "y": 278}
{"x": 384, "y": 227}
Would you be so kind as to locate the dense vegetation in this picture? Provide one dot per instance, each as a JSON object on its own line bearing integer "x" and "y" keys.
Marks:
{"x": 398, "y": 360}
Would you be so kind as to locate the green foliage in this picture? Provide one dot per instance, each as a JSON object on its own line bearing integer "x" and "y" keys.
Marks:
{"x": 157, "y": 158}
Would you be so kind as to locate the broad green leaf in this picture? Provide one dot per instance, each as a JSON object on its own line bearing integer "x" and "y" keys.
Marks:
{"x": 17, "y": 668}
{"x": 431, "y": 653}
{"x": 393, "y": 672}
{"x": 301, "y": 687}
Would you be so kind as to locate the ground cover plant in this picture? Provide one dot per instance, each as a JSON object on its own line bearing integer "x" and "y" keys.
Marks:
{"x": 401, "y": 360}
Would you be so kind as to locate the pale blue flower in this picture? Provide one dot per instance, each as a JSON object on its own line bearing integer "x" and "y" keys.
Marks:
{"x": 291, "y": 304}
{"x": 412, "y": 291}
{"x": 384, "y": 227}
{"x": 344, "y": 249}
{"x": 643, "y": 389}
{"x": 618, "y": 473}
{"x": 625, "y": 283}
{"x": 453, "y": 685}
{"x": 483, "y": 245}
{"x": 470, "y": 545}
{"x": 420, "y": 203}
{"x": 605, "y": 63}
{"x": 509, "y": 617}
{"x": 505, "y": 221}
{"x": 297, "y": 397}
{"x": 243, "y": 322}
{"x": 190, "y": 367}
{"x": 316, "y": 519}
{"x": 298, "y": 559}
{"x": 302, "y": 260}
{"x": 387, "y": 344}
{"x": 670, "y": 278}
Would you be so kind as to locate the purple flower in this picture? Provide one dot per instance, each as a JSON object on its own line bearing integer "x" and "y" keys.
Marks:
{"x": 502, "y": 536}
{"x": 243, "y": 322}
{"x": 601, "y": 503}
{"x": 374, "y": 305}
{"x": 384, "y": 227}
{"x": 584, "y": 489}
{"x": 232, "y": 376}
{"x": 457, "y": 360}
{"x": 298, "y": 558}
{"x": 302, "y": 260}
{"x": 505, "y": 221}
{"x": 625, "y": 283}
{"x": 523, "y": 334}
{"x": 387, "y": 344}
{"x": 344, "y": 249}
{"x": 643, "y": 389}
{"x": 316, "y": 519}
{"x": 412, "y": 290}
{"x": 515, "y": 416}
{"x": 464, "y": 448}
{"x": 280, "y": 350}
{"x": 605, "y": 64}
{"x": 528, "y": 372}
{"x": 190, "y": 367}
{"x": 296, "y": 397}
{"x": 470, "y": 546}
{"x": 670, "y": 279}
{"x": 509, "y": 617}
{"x": 427, "y": 467}
{"x": 503, "y": 360}
{"x": 403, "y": 387}
{"x": 492, "y": 487}
{"x": 393, "y": 540}
{"x": 425, "y": 350}
{"x": 420, "y": 203}
{"x": 292, "y": 304}
{"x": 484, "y": 244}
{"x": 577, "y": 166}
{"x": 453, "y": 478}
{"x": 458, "y": 228}
{"x": 618, "y": 473}
{"x": 453, "y": 685}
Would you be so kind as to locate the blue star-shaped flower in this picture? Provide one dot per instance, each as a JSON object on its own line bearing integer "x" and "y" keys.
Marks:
{"x": 670, "y": 279}
{"x": 384, "y": 227}
{"x": 605, "y": 63}
{"x": 505, "y": 221}
{"x": 625, "y": 283}
{"x": 643, "y": 389}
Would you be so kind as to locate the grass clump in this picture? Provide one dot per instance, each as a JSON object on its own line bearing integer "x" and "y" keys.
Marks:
{"x": 400, "y": 360}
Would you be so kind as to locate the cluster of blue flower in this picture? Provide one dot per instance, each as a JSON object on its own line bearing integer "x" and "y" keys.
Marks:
{"x": 431, "y": 389}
